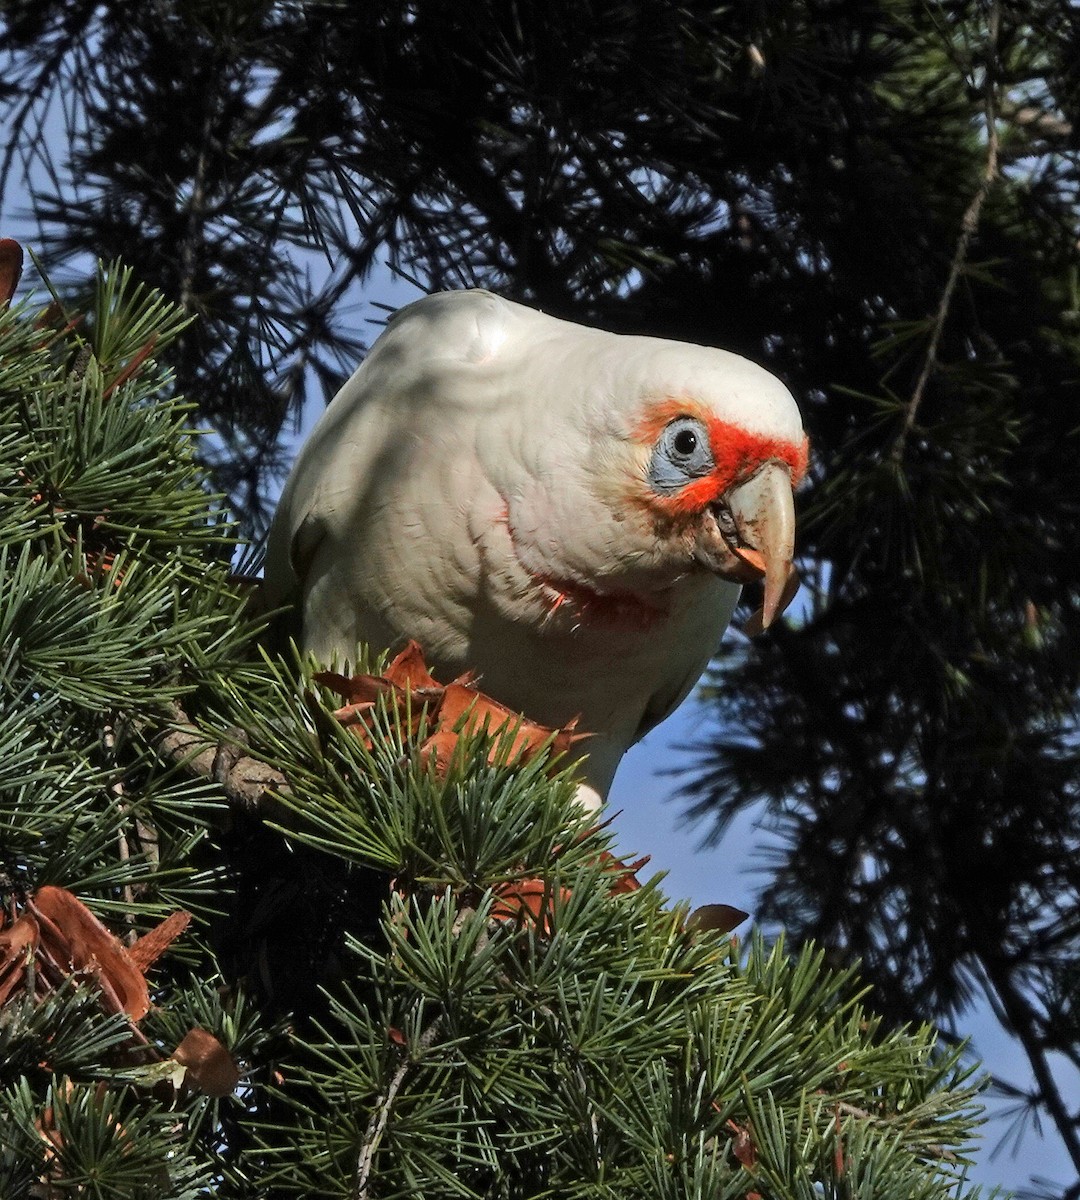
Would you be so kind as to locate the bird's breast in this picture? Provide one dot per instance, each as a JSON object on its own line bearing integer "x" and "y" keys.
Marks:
{"x": 532, "y": 555}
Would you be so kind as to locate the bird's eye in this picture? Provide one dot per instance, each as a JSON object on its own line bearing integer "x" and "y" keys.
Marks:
{"x": 680, "y": 455}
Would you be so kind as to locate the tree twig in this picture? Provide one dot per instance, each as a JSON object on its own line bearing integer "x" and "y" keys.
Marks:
{"x": 886, "y": 1120}
{"x": 117, "y": 790}
{"x": 1016, "y": 1012}
{"x": 249, "y": 783}
{"x": 379, "y": 1118}
{"x": 968, "y": 226}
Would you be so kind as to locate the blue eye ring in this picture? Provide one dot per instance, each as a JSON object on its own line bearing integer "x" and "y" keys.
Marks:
{"x": 682, "y": 454}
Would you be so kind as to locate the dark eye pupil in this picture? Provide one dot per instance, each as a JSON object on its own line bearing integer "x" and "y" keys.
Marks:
{"x": 685, "y": 442}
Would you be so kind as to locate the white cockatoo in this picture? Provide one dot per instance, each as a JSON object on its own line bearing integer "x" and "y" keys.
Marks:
{"x": 567, "y": 512}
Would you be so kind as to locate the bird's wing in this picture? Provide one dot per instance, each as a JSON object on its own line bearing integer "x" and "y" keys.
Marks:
{"x": 663, "y": 703}
{"x": 688, "y": 666}
{"x": 295, "y": 535}
{"x": 414, "y": 359}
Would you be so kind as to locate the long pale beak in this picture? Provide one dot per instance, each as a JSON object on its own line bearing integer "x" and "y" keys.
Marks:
{"x": 763, "y": 512}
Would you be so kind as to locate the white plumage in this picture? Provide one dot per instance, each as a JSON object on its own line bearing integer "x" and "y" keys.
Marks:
{"x": 566, "y": 511}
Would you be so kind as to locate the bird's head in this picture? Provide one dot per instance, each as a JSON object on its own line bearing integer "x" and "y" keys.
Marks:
{"x": 636, "y": 465}
{"x": 721, "y": 489}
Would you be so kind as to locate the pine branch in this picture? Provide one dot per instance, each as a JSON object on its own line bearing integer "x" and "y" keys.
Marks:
{"x": 381, "y": 1112}
{"x": 1020, "y": 1016}
{"x": 969, "y": 225}
{"x": 249, "y": 784}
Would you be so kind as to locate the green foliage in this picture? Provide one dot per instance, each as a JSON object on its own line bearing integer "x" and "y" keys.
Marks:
{"x": 589, "y": 1046}
{"x": 507, "y": 1062}
{"x": 385, "y": 805}
{"x": 99, "y": 1143}
{"x": 114, "y": 600}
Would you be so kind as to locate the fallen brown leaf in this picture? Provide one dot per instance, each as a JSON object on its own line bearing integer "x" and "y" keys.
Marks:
{"x": 11, "y": 265}
{"x": 528, "y": 900}
{"x": 79, "y": 944}
{"x": 446, "y": 711}
{"x": 742, "y": 1145}
{"x": 153, "y": 944}
{"x": 210, "y": 1067}
{"x": 722, "y": 918}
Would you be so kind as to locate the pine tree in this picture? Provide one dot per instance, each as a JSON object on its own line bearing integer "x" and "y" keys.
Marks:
{"x": 875, "y": 198}
{"x": 518, "y": 1018}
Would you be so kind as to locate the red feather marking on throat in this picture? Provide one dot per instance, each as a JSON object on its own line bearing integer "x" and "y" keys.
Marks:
{"x": 611, "y": 610}
{"x": 584, "y": 606}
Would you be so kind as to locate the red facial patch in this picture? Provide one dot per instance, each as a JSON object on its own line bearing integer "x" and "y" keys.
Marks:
{"x": 736, "y": 452}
